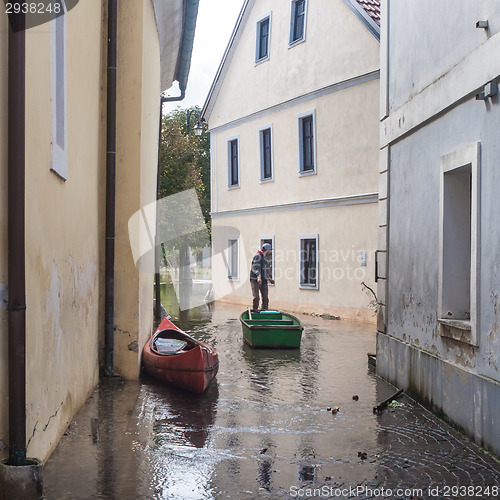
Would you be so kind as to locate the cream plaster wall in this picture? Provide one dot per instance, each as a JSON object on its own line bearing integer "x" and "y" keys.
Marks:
{"x": 346, "y": 141}
{"x": 343, "y": 231}
{"x": 62, "y": 231}
{"x": 333, "y": 74}
{"x": 337, "y": 47}
{"x": 137, "y": 135}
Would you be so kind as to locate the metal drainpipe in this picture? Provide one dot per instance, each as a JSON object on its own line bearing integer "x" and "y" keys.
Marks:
{"x": 16, "y": 241}
{"x": 110, "y": 191}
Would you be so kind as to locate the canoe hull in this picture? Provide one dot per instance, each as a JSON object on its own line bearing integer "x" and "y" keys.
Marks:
{"x": 192, "y": 370}
{"x": 271, "y": 330}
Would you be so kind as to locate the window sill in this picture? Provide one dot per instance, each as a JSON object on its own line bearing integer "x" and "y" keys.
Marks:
{"x": 308, "y": 287}
{"x": 264, "y": 181}
{"x": 305, "y": 173}
{"x": 296, "y": 42}
{"x": 233, "y": 187}
{"x": 457, "y": 329}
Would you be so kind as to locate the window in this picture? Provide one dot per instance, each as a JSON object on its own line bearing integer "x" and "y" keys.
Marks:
{"x": 307, "y": 150}
{"x": 58, "y": 91}
{"x": 459, "y": 229}
{"x": 270, "y": 257}
{"x": 233, "y": 163}
{"x": 232, "y": 259}
{"x": 308, "y": 261}
{"x": 297, "y": 24}
{"x": 262, "y": 51}
{"x": 266, "y": 154}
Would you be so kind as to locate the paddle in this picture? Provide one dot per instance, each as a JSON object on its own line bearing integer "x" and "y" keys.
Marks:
{"x": 249, "y": 314}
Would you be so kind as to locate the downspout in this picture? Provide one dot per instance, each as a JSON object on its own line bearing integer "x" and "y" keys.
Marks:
{"x": 16, "y": 240}
{"x": 109, "y": 308}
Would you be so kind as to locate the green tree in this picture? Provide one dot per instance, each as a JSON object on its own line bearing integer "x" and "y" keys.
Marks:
{"x": 184, "y": 165}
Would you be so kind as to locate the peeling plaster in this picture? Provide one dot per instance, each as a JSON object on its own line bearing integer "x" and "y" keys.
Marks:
{"x": 84, "y": 285}
{"x": 53, "y": 309}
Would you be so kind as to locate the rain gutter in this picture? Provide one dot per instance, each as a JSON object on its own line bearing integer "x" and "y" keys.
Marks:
{"x": 181, "y": 74}
{"x": 109, "y": 308}
{"x": 16, "y": 240}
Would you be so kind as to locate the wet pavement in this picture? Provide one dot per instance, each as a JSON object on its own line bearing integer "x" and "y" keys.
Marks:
{"x": 262, "y": 429}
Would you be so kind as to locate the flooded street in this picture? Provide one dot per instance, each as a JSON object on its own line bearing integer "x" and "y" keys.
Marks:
{"x": 261, "y": 429}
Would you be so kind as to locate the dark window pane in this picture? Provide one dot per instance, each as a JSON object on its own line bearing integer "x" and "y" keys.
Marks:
{"x": 307, "y": 143}
{"x": 298, "y": 20}
{"x": 266, "y": 154}
{"x": 234, "y": 162}
{"x": 263, "y": 38}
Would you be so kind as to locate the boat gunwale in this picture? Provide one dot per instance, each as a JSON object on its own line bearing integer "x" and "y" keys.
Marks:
{"x": 273, "y": 327}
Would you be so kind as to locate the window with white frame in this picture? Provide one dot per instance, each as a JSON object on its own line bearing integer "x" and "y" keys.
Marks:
{"x": 298, "y": 21}
{"x": 263, "y": 36}
{"x": 233, "y": 168}
{"x": 459, "y": 239}
{"x": 59, "y": 161}
{"x": 307, "y": 143}
{"x": 266, "y": 154}
{"x": 270, "y": 257}
{"x": 308, "y": 261}
{"x": 232, "y": 259}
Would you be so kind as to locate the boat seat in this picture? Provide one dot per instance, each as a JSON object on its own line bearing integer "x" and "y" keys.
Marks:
{"x": 277, "y": 322}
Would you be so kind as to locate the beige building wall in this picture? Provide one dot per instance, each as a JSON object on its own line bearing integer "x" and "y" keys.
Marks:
{"x": 65, "y": 219}
{"x": 62, "y": 244}
{"x": 333, "y": 75}
{"x": 337, "y": 48}
{"x": 138, "y": 109}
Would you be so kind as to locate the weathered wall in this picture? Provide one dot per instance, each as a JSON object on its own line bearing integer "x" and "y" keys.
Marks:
{"x": 62, "y": 236}
{"x": 433, "y": 112}
{"x": 137, "y": 135}
{"x": 334, "y": 51}
{"x": 333, "y": 73}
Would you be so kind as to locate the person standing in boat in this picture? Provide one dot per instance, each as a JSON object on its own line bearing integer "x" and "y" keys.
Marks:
{"x": 259, "y": 278}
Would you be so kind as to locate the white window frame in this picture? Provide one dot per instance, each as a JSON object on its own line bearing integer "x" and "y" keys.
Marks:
{"x": 257, "y": 42}
{"x": 58, "y": 88}
{"x": 229, "y": 255}
{"x": 293, "y": 43}
{"x": 300, "y": 118}
{"x": 309, "y": 237}
{"x": 261, "y": 153}
{"x": 462, "y": 329}
{"x": 229, "y": 169}
{"x": 261, "y": 242}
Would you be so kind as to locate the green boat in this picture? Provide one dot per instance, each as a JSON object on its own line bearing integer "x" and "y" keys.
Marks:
{"x": 271, "y": 329}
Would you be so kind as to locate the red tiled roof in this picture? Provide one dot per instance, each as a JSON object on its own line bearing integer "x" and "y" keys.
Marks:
{"x": 372, "y": 8}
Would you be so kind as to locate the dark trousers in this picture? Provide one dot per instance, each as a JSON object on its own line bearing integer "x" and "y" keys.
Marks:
{"x": 261, "y": 288}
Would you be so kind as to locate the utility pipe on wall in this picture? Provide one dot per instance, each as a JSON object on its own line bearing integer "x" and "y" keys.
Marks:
{"x": 110, "y": 191}
{"x": 16, "y": 240}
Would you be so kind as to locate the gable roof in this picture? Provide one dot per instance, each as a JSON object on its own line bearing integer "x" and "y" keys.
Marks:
{"x": 367, "y": 11}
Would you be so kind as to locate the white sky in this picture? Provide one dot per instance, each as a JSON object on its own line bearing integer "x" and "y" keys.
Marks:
{"x": 214, "y": 25}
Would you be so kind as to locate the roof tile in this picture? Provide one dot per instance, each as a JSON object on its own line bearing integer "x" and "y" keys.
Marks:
{"x": 372, "y": 7}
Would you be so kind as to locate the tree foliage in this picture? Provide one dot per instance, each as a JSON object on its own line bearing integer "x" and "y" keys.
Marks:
{"x": 184, "y": 165}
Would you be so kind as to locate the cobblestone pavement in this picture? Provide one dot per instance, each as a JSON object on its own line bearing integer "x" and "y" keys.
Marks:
{"x": 263, "y": 430}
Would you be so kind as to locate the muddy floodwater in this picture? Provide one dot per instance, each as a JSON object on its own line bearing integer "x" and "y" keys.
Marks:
{"x": 262, "y": 428}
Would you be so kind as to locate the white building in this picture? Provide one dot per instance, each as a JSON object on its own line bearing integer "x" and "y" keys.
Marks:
{"x": 293, "y": 117}
{"x": 439, "y": 237}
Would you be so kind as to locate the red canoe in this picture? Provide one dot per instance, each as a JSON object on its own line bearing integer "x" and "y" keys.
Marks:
{"x": 173, "y": 356}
